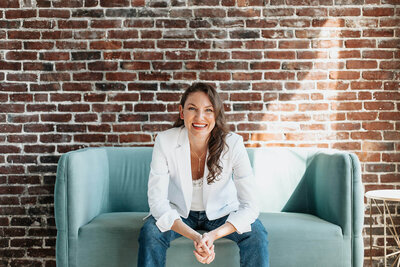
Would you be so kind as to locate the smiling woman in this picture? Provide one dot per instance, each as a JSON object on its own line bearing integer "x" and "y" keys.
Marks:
{"x": 201, "y": 179}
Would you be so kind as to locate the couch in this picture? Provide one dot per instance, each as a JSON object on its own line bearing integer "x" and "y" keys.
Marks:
{"x": 311, "y": 203}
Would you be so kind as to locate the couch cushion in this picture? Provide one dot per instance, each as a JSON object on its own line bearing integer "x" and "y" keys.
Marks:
{"x": 111, "y": 240}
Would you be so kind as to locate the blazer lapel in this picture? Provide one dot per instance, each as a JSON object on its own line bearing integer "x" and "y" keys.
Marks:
{"x": 183, "y": 163}
{"x": 206, "y": 187}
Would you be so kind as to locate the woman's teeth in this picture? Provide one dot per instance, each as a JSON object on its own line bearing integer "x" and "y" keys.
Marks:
{"x": 199, "y": 125}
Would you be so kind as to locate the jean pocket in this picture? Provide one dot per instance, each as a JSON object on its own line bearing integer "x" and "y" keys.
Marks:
{"x": 147, "y": 216}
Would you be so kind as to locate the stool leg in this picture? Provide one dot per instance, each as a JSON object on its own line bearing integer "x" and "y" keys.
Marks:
{"x": 370, "y": 231}
{"x": 384, "y": 229}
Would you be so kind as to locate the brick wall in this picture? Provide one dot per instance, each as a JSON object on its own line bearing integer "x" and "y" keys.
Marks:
{"x": 78, "y": 73}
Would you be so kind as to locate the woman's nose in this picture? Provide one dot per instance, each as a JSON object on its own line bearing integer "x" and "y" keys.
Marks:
{"x": 200, "y": 114}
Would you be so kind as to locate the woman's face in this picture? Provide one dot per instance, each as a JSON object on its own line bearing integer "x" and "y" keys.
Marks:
{"x": 198, "y": 115}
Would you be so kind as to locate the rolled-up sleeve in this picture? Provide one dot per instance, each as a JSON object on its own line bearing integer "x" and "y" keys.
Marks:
{"x": 157, "y": 192}
{"x": 243, "y": 178}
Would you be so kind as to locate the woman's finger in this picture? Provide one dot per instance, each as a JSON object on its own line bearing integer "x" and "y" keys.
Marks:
{"x": 211, "y": 258}
{"x": 205, "y": 247}
{"x": 199, "y": 257}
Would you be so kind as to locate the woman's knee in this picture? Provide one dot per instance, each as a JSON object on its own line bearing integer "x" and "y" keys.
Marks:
{"x": 258, "y": 233}
{"x": 149, "y": 231}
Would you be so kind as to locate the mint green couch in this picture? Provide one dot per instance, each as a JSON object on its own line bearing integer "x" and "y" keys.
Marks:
{"x": 311, "y": 204}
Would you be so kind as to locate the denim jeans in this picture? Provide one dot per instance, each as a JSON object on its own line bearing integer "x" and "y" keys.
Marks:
{"x": 153, "y": 243}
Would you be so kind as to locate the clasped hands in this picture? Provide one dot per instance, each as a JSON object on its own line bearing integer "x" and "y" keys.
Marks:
{"x": 204, "y": 248}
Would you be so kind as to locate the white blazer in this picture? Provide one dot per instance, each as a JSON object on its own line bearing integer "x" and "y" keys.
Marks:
{"x": 170, "y": 183}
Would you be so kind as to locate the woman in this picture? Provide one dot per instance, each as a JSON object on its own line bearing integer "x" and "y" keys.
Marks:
{"x": 201, "y": 179}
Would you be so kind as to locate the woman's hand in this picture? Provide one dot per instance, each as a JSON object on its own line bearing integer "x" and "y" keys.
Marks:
{"x": 202, "y": 256}
{"x": 204, "y": 246}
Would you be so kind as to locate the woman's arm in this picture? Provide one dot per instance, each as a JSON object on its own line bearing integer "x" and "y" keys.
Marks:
{"x": 244, "y": 181}
{"x": 182, "y": 228}
{"x": 203, "y": 253}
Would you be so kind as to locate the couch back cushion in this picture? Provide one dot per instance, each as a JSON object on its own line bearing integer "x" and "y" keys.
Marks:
{"x": 277, "y": 171}
{"x": 129, "y": 173}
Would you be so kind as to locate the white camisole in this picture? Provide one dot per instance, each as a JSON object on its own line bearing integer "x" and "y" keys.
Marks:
{"x": 197, "y": 195}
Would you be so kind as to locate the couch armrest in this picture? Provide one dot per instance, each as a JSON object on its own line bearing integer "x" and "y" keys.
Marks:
{"x": 335, "y": 185}
{"x": 81, "y": 193}
{"x": 332, "y": 190}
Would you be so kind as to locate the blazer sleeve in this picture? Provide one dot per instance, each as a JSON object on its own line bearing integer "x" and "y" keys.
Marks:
{"x": 157, "y": 192}
{"x": 243, "y": 178}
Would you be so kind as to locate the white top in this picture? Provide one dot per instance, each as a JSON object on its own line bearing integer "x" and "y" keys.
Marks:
{"x": 392, "y": 195}
{"x": 197, "y": 195}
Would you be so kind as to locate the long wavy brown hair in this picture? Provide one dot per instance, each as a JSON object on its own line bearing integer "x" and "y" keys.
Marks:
{"x": 216, "y": 142}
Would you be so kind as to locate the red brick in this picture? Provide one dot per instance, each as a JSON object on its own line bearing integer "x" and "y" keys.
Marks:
{"x": 342, "y": 12}
{"x": 368, "y": 135}
{"x": 387, "y": 115}
{"x": 360, "y": 43}
{"x": 21, "y": 55}
{"x": 117, "y": 55}
{"x": 391, "y": 157}
{"x": 395, "y": 65}
{"x": 147, "y": 56}
{"x": 184, "y": 76}
{"x": 313, "y": 107}
{"x": 312, "y": 54}
{"x": 54, "y": 13}
{"x": 345, "y": 126}
{"x": 390, "y": 178}
{"x": 312, "y": 75}
{"x": 362, "y": 116}
{"x": 182, "y": 55}
{"x": 378, "y": 12}
{"x": 89, "y": 138}
{"x": 20, "y": 13}
{"x": 158, "y": 76}
{"x": 126, "y": 127}
{"x": 344, "y": 75}
{"x": 246, "y": 55}
{"x": 328, "y": 23}
{"x": 247, "y": 76}
{"x": 378, "y": 33}
{"x": 129, "y": 138}
{"x": 21, "y": 77}
{"x": 280, "y": 54}
{"x": 123, "y": 97}
{"x": 377, "y": 75}
{"x": 347, "y": 146}
{"x": 214, "y": 12}
{"x": 107, "y": 108}
{"x": 346, "y": 54}
{"x": 114, "y": 3}
{"x": 379, "y": 167}
{"x": 361, "y": 64}
{"x": 379, "y": 106}
{"x": 294, "y": 44}
{"x": 108, "y": 45}
{"x": 9, "y": 4}
{"x": 149, "y": 107}
{"x": 366, "y": 85}
{"x": 121, "y": 76}
{"x": 216, "y": 76}
{"x": 265, "y": 65}
{"x": 261, "y": 23}
{"x": 377, "y": 126}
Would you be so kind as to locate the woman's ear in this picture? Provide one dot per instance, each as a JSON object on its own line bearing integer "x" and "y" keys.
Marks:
{"x": 181, "y": 112}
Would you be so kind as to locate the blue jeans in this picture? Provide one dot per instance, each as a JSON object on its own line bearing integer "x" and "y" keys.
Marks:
{"x": 153, "y": 243}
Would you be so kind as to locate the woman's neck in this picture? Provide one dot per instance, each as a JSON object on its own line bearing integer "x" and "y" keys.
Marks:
{"x": 199, "y": 145}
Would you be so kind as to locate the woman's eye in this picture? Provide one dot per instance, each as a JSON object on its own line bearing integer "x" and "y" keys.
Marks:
{"x": 209, "y": 110}
{"x": 191, "y": 108}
